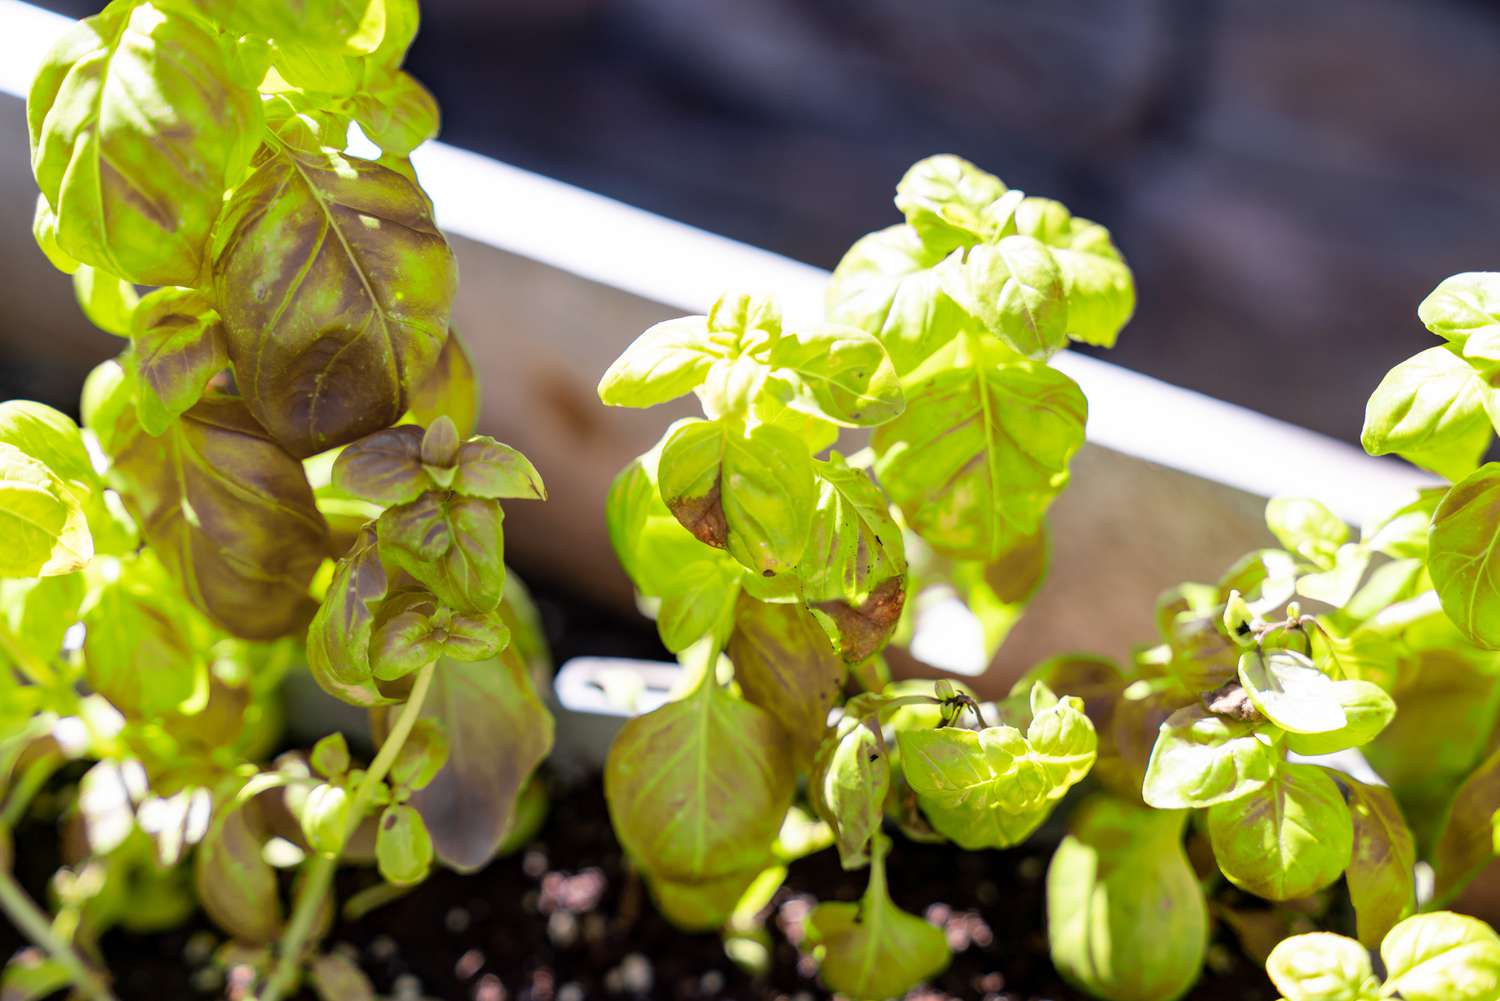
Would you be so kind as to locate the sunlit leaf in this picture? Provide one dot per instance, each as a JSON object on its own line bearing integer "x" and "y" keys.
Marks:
{"x": 1201, "y": 759}
{"x": 785, "y": 664}
{"x": 1288, "y": 838}
{"x": 1381, "y": 877}
{"x": 1442, "y": 956}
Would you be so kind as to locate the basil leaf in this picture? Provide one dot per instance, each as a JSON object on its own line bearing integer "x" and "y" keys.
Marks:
{"x": 138, "y": 643}
{"x": 398, "y": 114}
{"x": 1290, "y": 837}
{"x": 785, "y": 664}
{"x": 1126, "y": 918}
{"x": 1465, "y": 531}
{"x": 229, "y": 513}
{"x": 498, "y": 732}
{"x": 1442, "y": 957}
{"x": 1201, "y": 759}
{"x": 449, "y": 389}
{"x": 1307, "y": 528}
{"x": 1381, "y": 878}
{"x": 945, "y": 200}
{"x": 453, "y": 545}
{"x": 384, "y": 468}
{"x": 980, "y": 452}
{"x": 51, "y": 438}
{"x": 1464, "y": 310}
{"x": 338, "y": 641}
{"x": 1433, "y": 411}
{"x": 1099, "y": 287}
{"x": 403, "y": 848}
{"x": 846, "y": 370}
{"x": 46, "y": 531}
{"x": 669, "y": 360}
{"x": 37, "y": 612}
{"x": 1015, "y": 289}
{"x": 1467, "y": 844}
{"x": 487, "y": 468}
{"x": 1367, "y": 711}
{"x": 888, "y": 285}
{"x": 177, "y": 346}
{"x": 850, "y": 779}
{"x": 422, "y": 756}
{"x": 328, "y": 338}
{"x": 411, "y": 630}
{"x": 137, "y": 130}
{"x": 697, "y": 789}
{"x": 751, "y": 494}
{"x": 234, "y": 883}
{"x": 1322, "y": 967}
{"x": 1289, "y": 689}
{"x": 107, "y": 300}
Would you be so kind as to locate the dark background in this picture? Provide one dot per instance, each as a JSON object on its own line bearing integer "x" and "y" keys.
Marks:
{"x": 1287, "y": 178}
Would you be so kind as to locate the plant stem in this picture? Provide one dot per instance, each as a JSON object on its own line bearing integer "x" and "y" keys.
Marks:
{"x": 321, "y": 868}
{"x": 34, "y": 924}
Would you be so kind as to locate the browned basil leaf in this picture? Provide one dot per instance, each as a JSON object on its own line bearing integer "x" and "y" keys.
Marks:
{"x": 177, "y": 345}
{"x": 785, "y": 664}
{"x": 449, "y": 389}
{"x": 412, "y": 629}
{"x": 335, "y": 287}
{"x": 498, "y": 732}
{"x": 338, "y": 642}
{"x": 453, "y": 545}
{"x": 235, "y": 884}
{"x": 385, "y": 467}
{"x": 229, "y": 513}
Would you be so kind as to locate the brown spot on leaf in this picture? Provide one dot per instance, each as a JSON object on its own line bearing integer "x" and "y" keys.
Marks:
{"x": 1230, "y": 699}
{"x": 863, "y": 630}
{"x": 704, "y": 516}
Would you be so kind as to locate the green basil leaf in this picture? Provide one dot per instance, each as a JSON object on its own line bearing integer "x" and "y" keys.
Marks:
{"x": 498, "y": 731}
{"x": 697, "y": 789}
{"x": 1015, "y": 289}
{"x": 1431, "y": 410}
{"x": 855, "y": 576}
{"x": 850, "y": 779}
{"x": 403, "y": 848}
{"x": 107, "y": 300}
{"x": 1099, "y": 286}
{"x": 751, "y": 494}
{"x": 946, "y": 201}
{"x": 1465, "y": 530}
{"x": 384, "y": 468}
{"x": 44, "y": 230}
{"x": 1307, "y": 528}
{"x": 138, "y": 645}
{"x": 1367, "y": 711}
{"x": 785, "y": 664}
{"x": 45, "y": 528}
{"x": 667, "y": 361}
{"x": 328, "y": 337}
{"x": 136, "y": 190}
{"x": 1381, "y": 878}
{"x": 1442, "y": 957}
{"x": 1322, "y": 967}
{"x": 1464, "y": 310}
{"x": 412, "y": 630}
{"x": 338, "y": 641}
{"x": 1291, "y": 692}
{"x": 1289, "y": 838}
{"x": 51, "y": 438}
{"x": 423, "y": 755}
{"x": 449, "y": 389}
{"x": 398, "y": 114}
{"x": 353, "y": 26}
{"x": 1126, "y": 918}
{"x": 330, "y": 756}
{"x": 453, "y": 545}
{"x": 487, "y": 468}
{"x": 846, "y": 370}
{"x": 177, "y": 346}
{"x": 1201, "y": 759}
{"x": 888, "y": 285}
{"x": 228, "y": 511}
{"x": 37, "y": 612}
{"x": 701, "y": 905}
{"x": 873, "y": 950}
{"x": 324, "y": 818}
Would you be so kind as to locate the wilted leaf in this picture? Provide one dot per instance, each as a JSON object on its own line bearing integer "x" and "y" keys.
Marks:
{"x": 784, "y": 664}
{"x": 1381, "y": 880}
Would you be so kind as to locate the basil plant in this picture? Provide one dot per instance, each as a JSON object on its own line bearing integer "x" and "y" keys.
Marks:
{"x": 778, "y": 568}
{"x": 278, "y": 472}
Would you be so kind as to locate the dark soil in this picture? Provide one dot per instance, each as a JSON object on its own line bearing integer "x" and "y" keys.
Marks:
{"x": 562, "y": 920}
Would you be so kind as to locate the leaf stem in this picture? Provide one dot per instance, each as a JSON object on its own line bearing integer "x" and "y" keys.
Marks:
{"x": 34, "y": 924}
{"x": 322, "y": 867}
